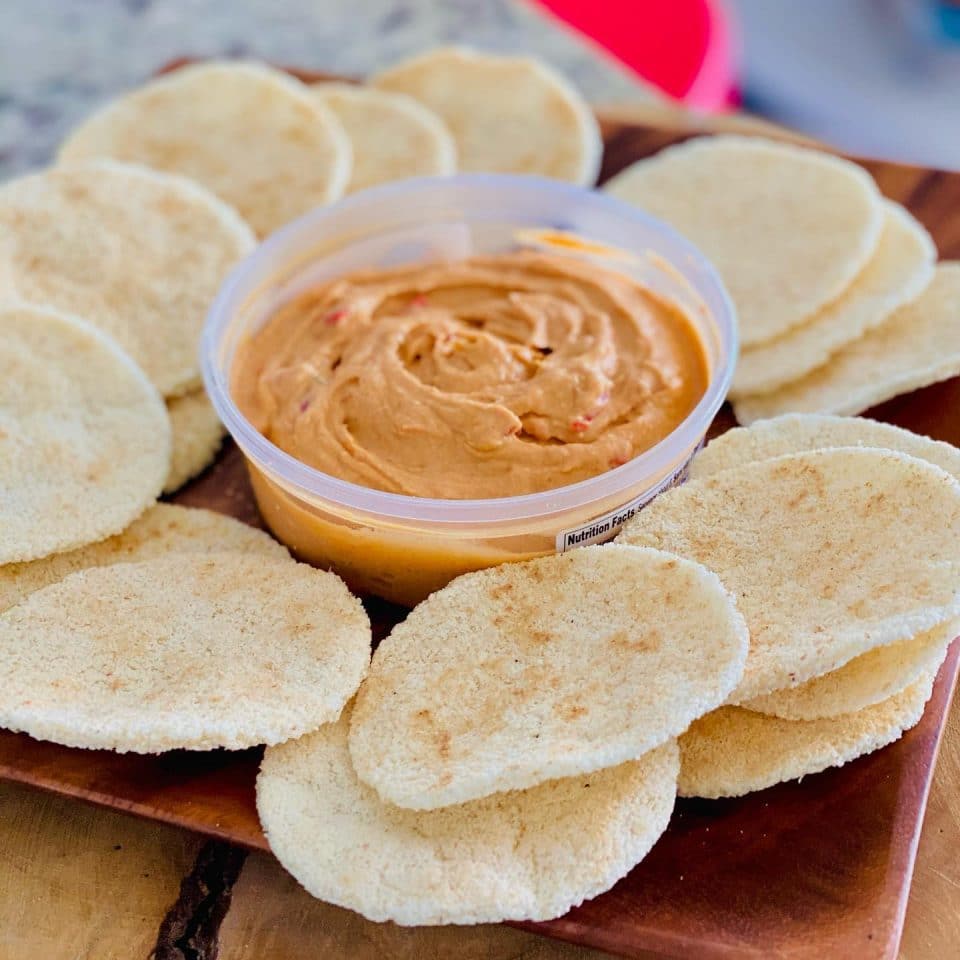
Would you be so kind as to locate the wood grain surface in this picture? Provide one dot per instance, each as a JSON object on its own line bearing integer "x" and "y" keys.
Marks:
{"x": 802, "y": 870}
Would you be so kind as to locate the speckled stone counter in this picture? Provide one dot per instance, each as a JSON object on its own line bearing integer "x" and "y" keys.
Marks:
{"x": 60, "y": 58}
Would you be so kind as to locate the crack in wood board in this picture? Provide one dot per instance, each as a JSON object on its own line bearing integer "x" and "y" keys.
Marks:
{"x": 191, "y": 928}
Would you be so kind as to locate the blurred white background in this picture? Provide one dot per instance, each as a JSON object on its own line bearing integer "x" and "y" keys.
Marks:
{"x": 878, "y": 77}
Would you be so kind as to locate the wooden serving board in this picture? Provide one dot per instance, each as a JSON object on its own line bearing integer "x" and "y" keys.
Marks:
{"x": 816, "y": 869}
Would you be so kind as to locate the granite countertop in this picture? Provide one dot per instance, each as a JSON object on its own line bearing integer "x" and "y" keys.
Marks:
{"x": 60, "y": 58}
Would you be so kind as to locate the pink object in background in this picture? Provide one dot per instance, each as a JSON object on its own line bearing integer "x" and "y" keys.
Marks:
{"x": 684, "y": 47}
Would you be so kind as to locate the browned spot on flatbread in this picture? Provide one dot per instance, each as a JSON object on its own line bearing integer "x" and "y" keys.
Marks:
{"x": 573, "y": 711}
{"x": 535, "y": 574}
{"x": 647, "y": 642}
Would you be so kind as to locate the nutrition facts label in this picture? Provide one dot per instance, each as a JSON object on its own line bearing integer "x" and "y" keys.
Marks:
{"x": 606, "y": 526}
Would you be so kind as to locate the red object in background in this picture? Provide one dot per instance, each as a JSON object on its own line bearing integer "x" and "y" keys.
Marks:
{"x": 684, "y": 47}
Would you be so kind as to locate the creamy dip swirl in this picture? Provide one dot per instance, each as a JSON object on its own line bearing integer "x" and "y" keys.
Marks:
{"x": 487, "y": 377}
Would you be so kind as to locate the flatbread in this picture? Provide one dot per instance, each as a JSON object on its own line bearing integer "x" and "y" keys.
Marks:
{"x": 251, "y": 134}
{"x": 788, "y": 228}
{"x": 161, "y": 530}
{"x": 733, "y": 751}
{"x": 829, "y": 554}
{"x": 197, "y": 436}
{"x": 898, "y": 272}
{"x": 184, "y": 651}
{"x": 525, "y": 855}
{"x": 549, "y": 668}
{"x": 393, "y": 136}
{"x": 917, "y": 345}
{"x": 797, "y": 432}
{"x": 84, "y": 436}
{"x": 864, "y": 681}
{"x": 137, "y": 253}
{"x": 506, "y": 114}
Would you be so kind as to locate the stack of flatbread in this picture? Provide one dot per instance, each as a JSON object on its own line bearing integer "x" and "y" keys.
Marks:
{"x": 519, "y": 740}
{"x": 835, "y": 535}
{"x": 189, "y": 630}
{"x": 125, "y": 623}
{"x": 513, "y": 751}
{"x": 840, "y": 302}
{"x": 138, "y": 255}
{"x": 274, "y": 147}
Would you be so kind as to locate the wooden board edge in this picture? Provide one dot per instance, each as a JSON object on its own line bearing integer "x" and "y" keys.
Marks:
{"x": 942, "y": 696}
{"x": 142, "y": 810}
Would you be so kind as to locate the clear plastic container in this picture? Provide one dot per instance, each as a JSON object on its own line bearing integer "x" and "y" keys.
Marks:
{"x": 402, "y": 547}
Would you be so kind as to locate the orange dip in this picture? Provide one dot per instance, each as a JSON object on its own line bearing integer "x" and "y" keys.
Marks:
{"x": 487, "y": 377}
